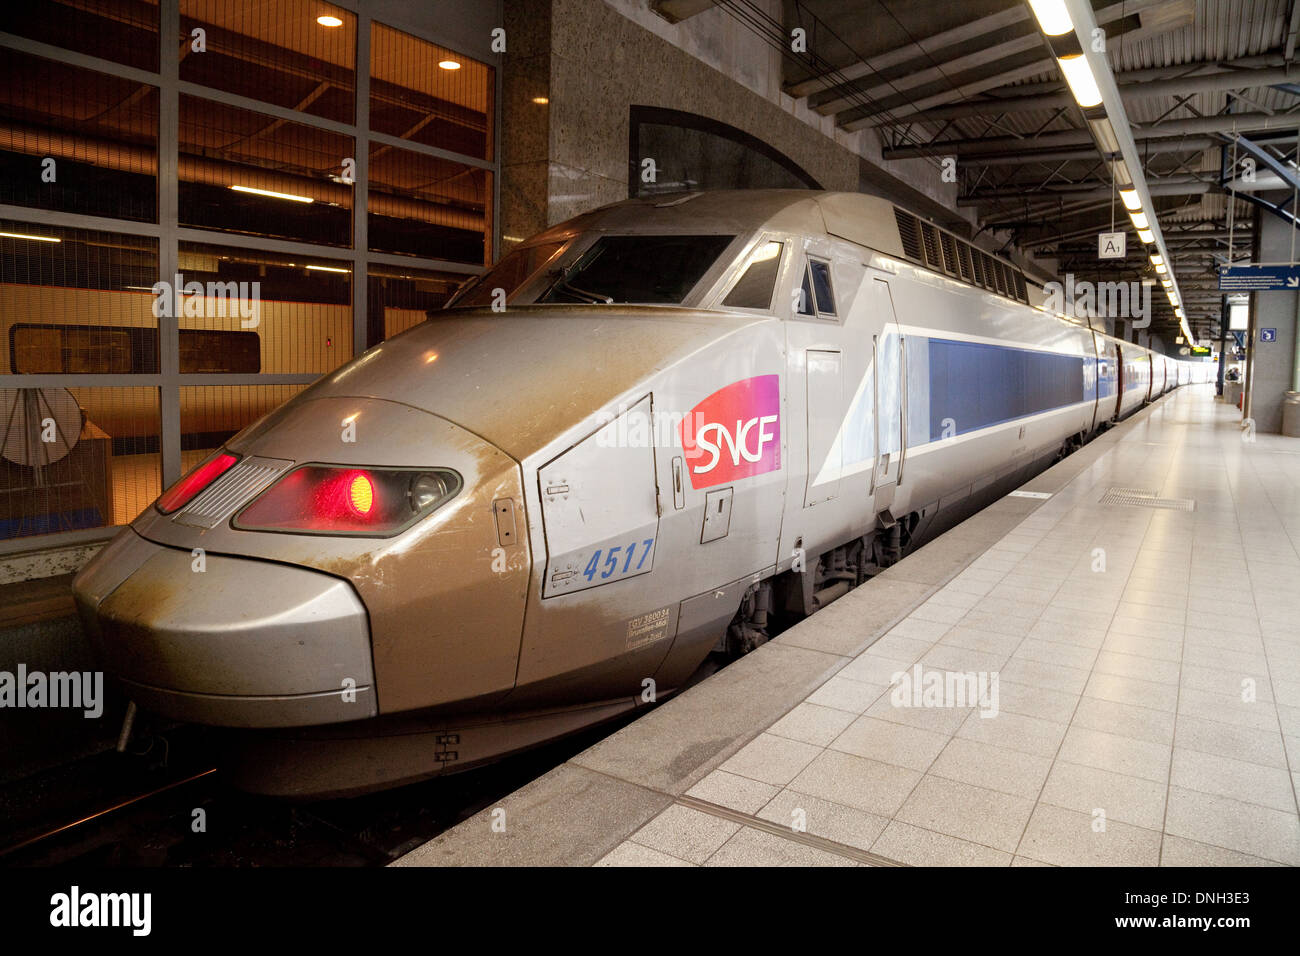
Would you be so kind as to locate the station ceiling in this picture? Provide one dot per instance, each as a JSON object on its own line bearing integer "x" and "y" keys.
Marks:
{"x": 1204, "y": 83}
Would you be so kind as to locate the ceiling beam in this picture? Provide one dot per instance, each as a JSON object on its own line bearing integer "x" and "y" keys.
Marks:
{"x": 1172, "y": 144}
{"x": 912, "y": 51}
{"x": 1224, "y": 123}
{"x": 1131, "y": 91}
{"x": 853, "y": 120}
{"x": 1171, "y": 186}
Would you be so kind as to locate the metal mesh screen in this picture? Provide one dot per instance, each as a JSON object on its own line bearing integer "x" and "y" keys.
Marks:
{"x": 74, "y": 140}
{"x": 266, "y": 312}
{"x": 427, "y": 206}
{"x": 401, "y": 298}
{"x": 123, "y": 31}
{"x": 429, "y": 94}
{"x": 299, "y": 54}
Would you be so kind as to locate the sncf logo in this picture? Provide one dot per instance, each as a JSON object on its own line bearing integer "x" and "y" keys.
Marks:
{"x": 734, "y": 433}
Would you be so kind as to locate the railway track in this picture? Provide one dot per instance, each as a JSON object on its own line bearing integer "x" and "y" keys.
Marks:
{"x": 170, "y": 806}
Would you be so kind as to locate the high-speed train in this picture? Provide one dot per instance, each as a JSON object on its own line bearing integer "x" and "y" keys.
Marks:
{"x": 655, "y": 430}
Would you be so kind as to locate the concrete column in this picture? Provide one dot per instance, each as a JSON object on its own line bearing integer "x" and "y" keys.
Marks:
{"x": 1273, "y": 362}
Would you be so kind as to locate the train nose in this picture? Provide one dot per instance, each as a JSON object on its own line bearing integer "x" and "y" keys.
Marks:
{"x": 228, "y": 641}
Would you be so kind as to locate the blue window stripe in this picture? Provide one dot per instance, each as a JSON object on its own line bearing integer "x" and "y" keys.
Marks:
{"x": 977, "y": 385}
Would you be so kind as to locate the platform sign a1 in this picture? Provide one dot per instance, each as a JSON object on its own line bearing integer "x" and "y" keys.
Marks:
{"x": 1268, "y": 335}
{"x": 1112, "y": 245}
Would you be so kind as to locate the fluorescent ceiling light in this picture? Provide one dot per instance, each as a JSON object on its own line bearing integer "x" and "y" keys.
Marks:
{"x": 1140, "y": 220}
{"x": 1052, "y": 17}
{"x": 1131, "y": 200}
{"x": 1162, "y": 268}
{"x": 1105, "y": 134}
{"x": 1078, "y": 74}
{"x": 1146, "y": 235}
{"x": 329, "y": 21}
{"x": 20, "y": 235}
{"x": 328, "y": 269}
{"x": 449, "y": 64}
{"x": 273, "y": 195}
{"x": 1157, "y": 260}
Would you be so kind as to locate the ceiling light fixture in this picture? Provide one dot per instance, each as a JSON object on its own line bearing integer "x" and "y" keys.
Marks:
{"x": 20, "y": 235}
{"x": 329, "y": 21}
{"x": 274, "y": 195}
{"x": 1052, "y": 17}
{"x": 1078, "y": 74}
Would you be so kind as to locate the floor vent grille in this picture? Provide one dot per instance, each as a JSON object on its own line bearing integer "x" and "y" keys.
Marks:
{"x": 1137, "y": 498}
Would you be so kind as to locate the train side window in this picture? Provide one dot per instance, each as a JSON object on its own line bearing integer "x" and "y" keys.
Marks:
{"x": 754, "y": 289}
{"x": 104, "y": 350}
{"x": 805, "y": 304}
{"x": 821, "y": 278}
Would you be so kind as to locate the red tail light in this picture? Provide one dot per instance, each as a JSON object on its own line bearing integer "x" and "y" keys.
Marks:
{"x": 181, "y": 493}
{"x": 328, "y": 499}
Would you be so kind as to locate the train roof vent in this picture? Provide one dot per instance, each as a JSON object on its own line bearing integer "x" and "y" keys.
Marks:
{"x": 949, "y": 252}
{"x": 963, "y": 260}
{"x": 1022, "y": 293}
{"x": 930, "y": 244}
{"x": 977, "y": 266}
{"x": 990, "y": 267}
{"x": 909, "y": 232}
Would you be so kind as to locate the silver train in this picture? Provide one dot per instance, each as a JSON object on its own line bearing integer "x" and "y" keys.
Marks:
{"x": 686, "y": 420}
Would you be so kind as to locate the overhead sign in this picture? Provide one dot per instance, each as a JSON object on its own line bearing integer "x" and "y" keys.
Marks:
{"x": 1259, "y": 278}
{"x": 1200, "y": 350}
{"x": 1111, "y": 245}
{"x": 1268, "y": 335}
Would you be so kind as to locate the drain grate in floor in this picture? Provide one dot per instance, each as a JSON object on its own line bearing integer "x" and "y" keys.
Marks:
{"x": 1137, "y": 498}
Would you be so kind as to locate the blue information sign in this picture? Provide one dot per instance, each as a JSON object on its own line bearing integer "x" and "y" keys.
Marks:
{"x": 1268, "y": 335}
{"x": 1259, "y": 278}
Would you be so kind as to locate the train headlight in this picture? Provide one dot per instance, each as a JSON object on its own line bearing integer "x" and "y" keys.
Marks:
{"x": 343, "y": 500}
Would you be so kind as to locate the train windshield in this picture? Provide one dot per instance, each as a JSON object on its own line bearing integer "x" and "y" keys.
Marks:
{"x": 649, "y": 270}
{"x": 508, "y": 274}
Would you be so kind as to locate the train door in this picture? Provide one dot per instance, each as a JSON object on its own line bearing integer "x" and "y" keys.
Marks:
{"x": 887, "y": 361}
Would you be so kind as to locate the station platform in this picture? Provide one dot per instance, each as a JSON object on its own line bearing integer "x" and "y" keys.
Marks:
{"x": 1147, "y": 665}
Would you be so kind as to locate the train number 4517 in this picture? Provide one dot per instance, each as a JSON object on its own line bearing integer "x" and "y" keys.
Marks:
{"x": 616, "y": 556}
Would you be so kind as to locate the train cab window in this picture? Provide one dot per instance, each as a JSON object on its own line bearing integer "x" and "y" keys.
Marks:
{"x": 821, "y": 277}
{"x": 805, "y": 303}
{"x": 753, "y": 290}
{"x": 508, "y": 274}
{"x": 815, "y": 295}
{"x": 647, "y": 270}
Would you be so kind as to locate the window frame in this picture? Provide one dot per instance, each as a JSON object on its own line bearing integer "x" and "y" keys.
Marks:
{"x": 745, "y": 260}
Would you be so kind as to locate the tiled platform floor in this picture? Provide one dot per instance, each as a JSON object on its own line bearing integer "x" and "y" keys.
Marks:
{"x": 1148, "y": 665}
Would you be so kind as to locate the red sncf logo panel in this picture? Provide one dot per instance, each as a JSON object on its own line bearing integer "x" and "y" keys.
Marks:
{"x": 734, "y": 433}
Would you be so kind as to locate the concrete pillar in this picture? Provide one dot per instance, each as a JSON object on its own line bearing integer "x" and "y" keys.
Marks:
{"x": 1273, "y": 362}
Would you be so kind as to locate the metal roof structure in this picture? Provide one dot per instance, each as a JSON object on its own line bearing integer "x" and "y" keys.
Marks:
{"x": 1205, "y": 84}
